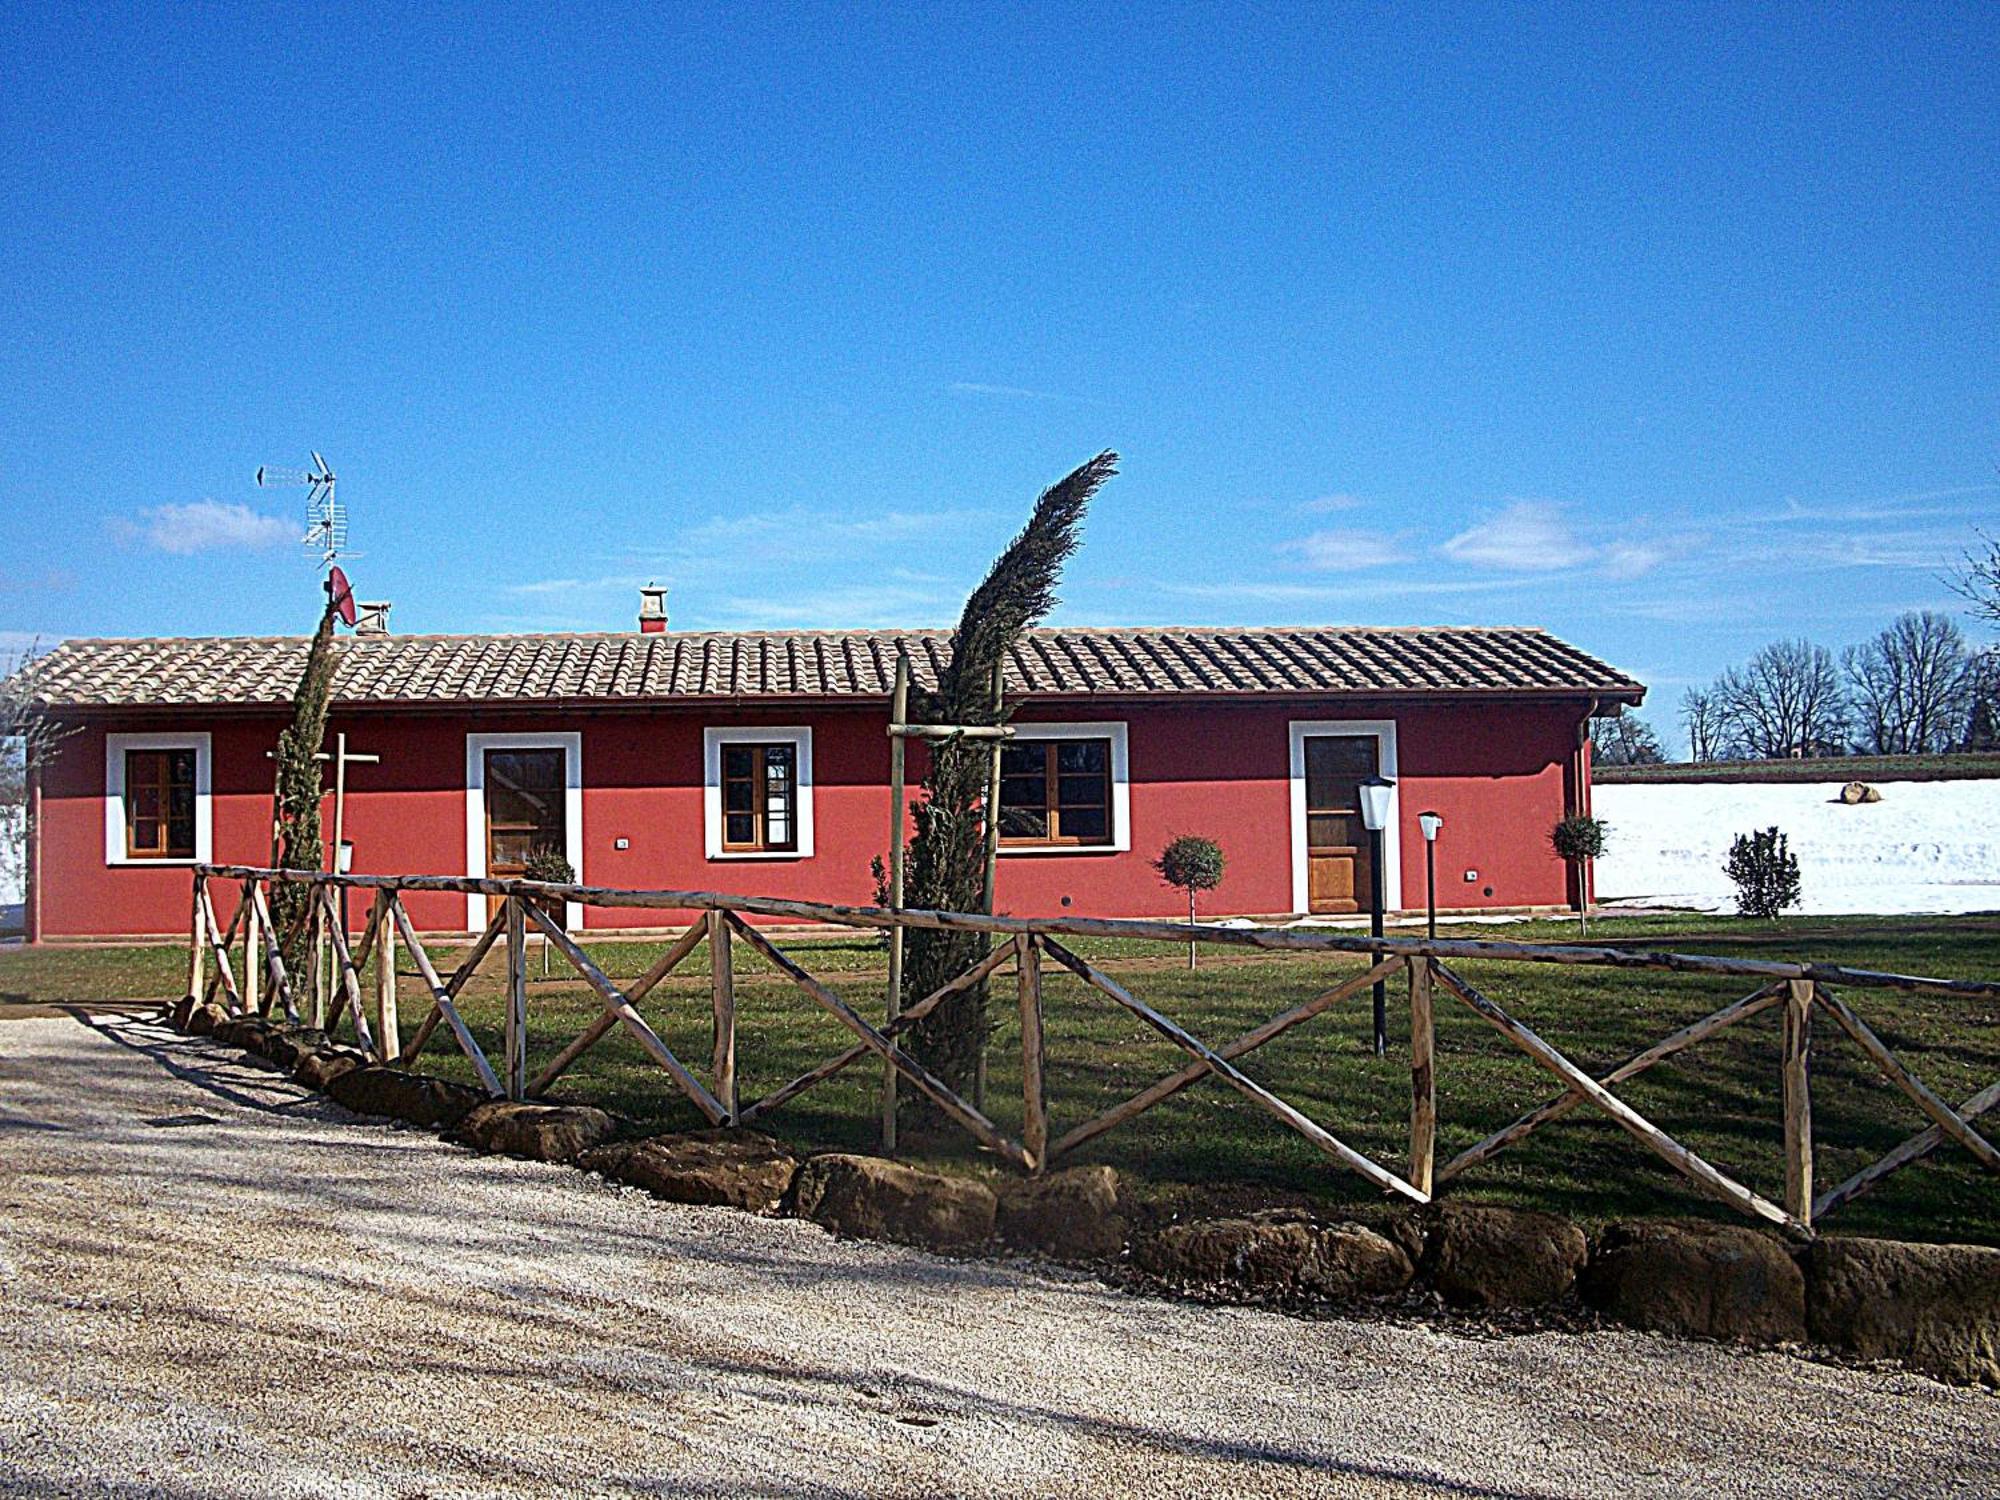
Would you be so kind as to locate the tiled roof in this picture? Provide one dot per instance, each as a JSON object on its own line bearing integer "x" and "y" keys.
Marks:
{"x": 636, "y": 668}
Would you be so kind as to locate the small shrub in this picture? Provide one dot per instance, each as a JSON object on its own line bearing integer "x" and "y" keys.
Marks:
{"x": 1577, "y": 840}
{"x": 1192, "y": 864}
{"x": 1765, "y": 871}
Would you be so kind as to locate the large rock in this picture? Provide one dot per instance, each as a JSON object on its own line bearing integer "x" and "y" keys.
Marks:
{"x": 539, "y": 1132}
{"x": 203, "y": 1019}
{"x": 403, "y": 1095}
{"x": 1072, "y": 1215}
{"x": 1479, "y": 1256}
{"x": 324, "y": 1066}
{"x": 247, "y": 1032}
{"x": 1281, "y": 1255}
{"x": 179, "y": 1012}
{"x": 1935, "y": 1308}
{"x": 1857, "y": 792}
{"x": 1717, "y": 1281}
{"x": 724, "y": 1168}
{"x": 870, "y": 1198}
{"x": 289, "y": 1046}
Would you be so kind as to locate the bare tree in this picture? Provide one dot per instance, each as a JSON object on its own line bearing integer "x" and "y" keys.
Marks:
{"x": 1982, "y": 714}
{"x": 1978, "y": 580}
{"x": 1910, "y": 686}
{"x": 1703, "y": 720}
{"x": 29, "y": 740}
{"x": 1787, "y": 700}
{"x": 1624, "y": 741}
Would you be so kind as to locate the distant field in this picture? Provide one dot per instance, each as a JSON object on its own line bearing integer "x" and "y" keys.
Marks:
{"x": 1209, "y": 1145}
{"x": 1826, "y": 768}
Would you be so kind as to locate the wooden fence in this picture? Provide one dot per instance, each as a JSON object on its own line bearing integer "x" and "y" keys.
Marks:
{"x": 1024, "y": 945}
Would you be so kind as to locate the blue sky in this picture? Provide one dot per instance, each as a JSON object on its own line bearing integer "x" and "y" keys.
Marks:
{"x": 1673, "y": 329}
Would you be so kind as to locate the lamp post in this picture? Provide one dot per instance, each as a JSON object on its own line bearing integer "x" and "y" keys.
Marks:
{"x": 1377, "y": 792}
{"x": 1430, "y": 823}
{"x": 343, "y": 864}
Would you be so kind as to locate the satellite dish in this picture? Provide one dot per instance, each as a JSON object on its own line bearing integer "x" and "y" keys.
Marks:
{"x": 341, "y": 594}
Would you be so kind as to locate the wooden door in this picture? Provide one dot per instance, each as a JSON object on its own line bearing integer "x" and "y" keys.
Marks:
{"x": 525, "y": 811}
{"x": 1339, "y": 859}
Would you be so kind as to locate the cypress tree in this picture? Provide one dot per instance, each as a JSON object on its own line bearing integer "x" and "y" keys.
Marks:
{"x": 295, "y": 823}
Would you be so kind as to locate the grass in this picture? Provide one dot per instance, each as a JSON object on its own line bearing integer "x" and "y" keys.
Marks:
{"x": 1210, "y": 1146}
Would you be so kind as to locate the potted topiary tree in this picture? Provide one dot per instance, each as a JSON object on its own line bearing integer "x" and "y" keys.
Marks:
{"x": 1578, "y": 840}
{"x": 1193, "y": 864}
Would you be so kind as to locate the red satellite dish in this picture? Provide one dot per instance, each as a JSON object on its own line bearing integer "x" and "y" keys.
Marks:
{"x": 341, "y": 593}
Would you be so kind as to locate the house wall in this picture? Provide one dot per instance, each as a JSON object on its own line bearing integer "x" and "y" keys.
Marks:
{"x": 1496, "y": 772}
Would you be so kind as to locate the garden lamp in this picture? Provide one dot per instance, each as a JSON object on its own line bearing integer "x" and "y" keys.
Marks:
{"x": 1377, "y": 795}
{"x": 1430, "y": 823}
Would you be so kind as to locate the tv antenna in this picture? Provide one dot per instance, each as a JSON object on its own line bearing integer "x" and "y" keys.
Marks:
{"x": 326, "y": 518}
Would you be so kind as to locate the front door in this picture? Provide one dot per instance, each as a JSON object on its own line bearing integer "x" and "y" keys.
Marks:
{"x": 524, "y": 811}
{"x": 1339, "y": 869}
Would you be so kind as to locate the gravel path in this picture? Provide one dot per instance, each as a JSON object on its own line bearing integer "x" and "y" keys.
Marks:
{"x": 213, "y": 1284}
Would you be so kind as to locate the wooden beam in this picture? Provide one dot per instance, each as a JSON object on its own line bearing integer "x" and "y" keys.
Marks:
{"x": 935, "y": 1089}
{"x": 441, "y": 995}
{"x": 1280, "y": 939}
{"x": 274, "y": 954}
{"x": 1796, "y": 1064}
{"x": 1656, "y": 1140}
{"x": 1034, "y": 1096}
{"x": 1632, "y": 1067}
{"x": 1917, "y": 1147}
{"x": 607, "y": 1020}
{"x": 899, "y": 708}
{"x": 517, "y": 997}
{"x": 197, "y": 937}
{"x": 1195, "y": 1071}
{"x": 495, "y": 925}
{"x": 1224, "y": 1069}
{"x": 641, "y": 1032}
{"x": 722, "y": 991}
{"x": 894, "y": 1029}
{"x": 951, "y": 731}
{"x": 1942, "y": 1115}
{"x": 1423, "y": 1076}
{"x": 253, "y": 968}
{"x": 219, "y": 946}
{"x": 387, "y": 1023}
{"x": 350, "y": 981}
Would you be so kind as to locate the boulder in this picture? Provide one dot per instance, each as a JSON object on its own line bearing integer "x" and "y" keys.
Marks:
{"x": 322, "y": 1067}
{"x": 724, "y": 1168}
{"x": 203, "y": 1019}
{"x": 1282, "y": 1255}
{"x": 870, "y": 1198}
{"x": 1070, "y": 1215}
{"x": 289, "y": 1046}
{"x": 403, "y": 1095}
{"x": 1935, "y": 1308}
{"x": 1480, "y": 1256}
{"x": 247, "y": 1032}
{"x": 539, "y": 1132}
{"x": 1715, "y": 1281}
{"x": 180, "y": 1010}
{"x": 1857, "y": 792}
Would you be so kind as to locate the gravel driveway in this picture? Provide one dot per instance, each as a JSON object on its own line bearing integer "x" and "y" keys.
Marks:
{"x": 214, "y": 1284}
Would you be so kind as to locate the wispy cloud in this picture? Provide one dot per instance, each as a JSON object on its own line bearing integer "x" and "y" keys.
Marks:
{"x": 1329, "y": 504}
{"x": 850, "y": 606}
{"x": 1529, "y": 536}
{"x": 208, "y": 526}
{"x": 1345, "y": 551}
{"x": 1012, "y": 392}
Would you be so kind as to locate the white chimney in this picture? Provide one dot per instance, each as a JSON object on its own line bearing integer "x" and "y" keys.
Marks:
{"x": 652, "y": 609}
{"x": 372, "y": 619}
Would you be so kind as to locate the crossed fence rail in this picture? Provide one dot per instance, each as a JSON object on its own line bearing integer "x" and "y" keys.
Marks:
{"x": 1024, "y": 945}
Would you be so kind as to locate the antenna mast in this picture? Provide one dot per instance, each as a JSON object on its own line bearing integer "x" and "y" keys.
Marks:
{"x": 326, "y": 518}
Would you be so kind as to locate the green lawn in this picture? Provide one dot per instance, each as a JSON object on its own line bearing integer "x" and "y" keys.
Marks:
{"x": 1211, "y": 1146}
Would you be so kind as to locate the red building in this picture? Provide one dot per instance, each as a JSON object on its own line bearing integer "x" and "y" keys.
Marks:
{"x": 758, "y": 763}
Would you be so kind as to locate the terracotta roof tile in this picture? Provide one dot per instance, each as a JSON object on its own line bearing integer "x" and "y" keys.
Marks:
{"x": 1361, "y": 661}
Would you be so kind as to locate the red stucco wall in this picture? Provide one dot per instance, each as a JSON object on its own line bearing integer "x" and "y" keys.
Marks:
{"x": 1495, "y": 772}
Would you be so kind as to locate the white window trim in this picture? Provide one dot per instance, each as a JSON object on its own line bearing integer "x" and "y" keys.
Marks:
{"x": 115, "y": 746}
{"x": 476, "y": 745}
{"x": 1121, "y": 788}
{"x": 1384, "y": 731}
{"x": 800, "y": 736}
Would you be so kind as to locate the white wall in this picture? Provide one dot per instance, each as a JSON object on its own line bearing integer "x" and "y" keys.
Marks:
{"x": 1927, "y": 846}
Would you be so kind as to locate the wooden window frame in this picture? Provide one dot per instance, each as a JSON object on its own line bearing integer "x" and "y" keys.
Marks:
{"x": 1117, "y": 732}
{"x": 760, "y": 841}
{"x": 164, "y": 783}
{"x": 570, "y": 742}
{"x": 117, "y": 824}
{"x": 1051, "y": 806}
{"x": 714, "y": 740}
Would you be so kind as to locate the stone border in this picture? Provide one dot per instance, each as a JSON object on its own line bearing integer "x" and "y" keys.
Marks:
{"x": 1931, "y": 1308}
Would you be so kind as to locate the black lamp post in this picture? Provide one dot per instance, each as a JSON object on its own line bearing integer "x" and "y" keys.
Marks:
{"x": 1377, "y": 794}
{"x": 1430, "y": 823}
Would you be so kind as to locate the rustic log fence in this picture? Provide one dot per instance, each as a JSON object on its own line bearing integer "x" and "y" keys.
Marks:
{"x": 1026, "y": 944}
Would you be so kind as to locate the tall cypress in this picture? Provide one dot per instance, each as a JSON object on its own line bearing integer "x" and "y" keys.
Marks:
{"x": 295, "y": 821}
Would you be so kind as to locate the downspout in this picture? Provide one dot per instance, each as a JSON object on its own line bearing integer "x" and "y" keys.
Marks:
{"x": 31, "y": 895}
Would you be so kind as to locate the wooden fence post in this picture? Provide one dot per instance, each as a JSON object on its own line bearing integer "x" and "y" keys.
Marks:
{"x": 253, "y": 964}
{"x": 1797, "y": 1064}
{"x": 1034, "y": 1096}
{"x": 197, "y": 943}
{"x": 315, "y": 964}
{"x": 1423, "y": 1076}
{"x": 722, "y": 985}
{"x": 899, "y": 710}
{"x": 517, "y": 1000}
{"x": 388, "y": 1026}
